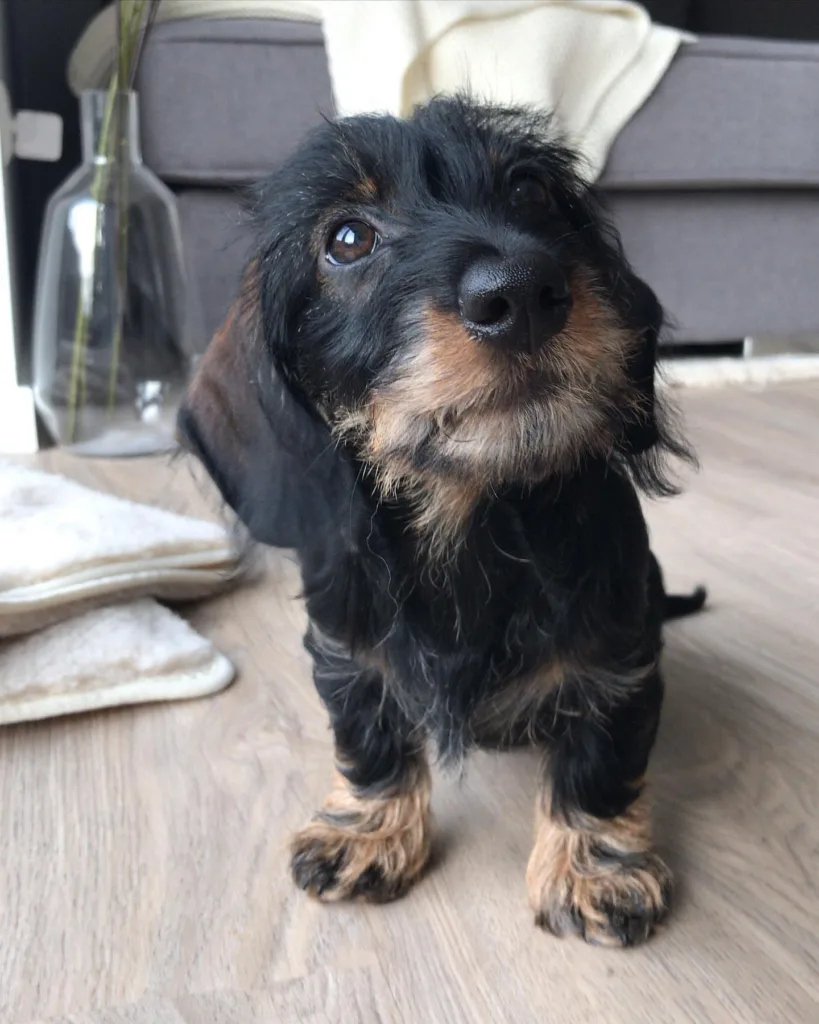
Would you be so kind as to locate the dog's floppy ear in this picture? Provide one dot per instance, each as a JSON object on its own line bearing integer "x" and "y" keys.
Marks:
{"x": 644, "y": 316}
{"x": 650, "y": 431}
{"x": 270, "y": 455}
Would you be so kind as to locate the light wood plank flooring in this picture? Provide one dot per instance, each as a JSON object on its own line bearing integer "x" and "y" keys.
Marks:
{"x": 143, "y": 872}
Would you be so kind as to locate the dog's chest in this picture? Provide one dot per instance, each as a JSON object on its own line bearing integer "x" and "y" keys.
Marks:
{"x": 477, "y": 647}
{"x": 491, "y": 605}
{"x": 534, "y": 580}
{"x": 474, "y": 643}
{"x": 500, "y": 598}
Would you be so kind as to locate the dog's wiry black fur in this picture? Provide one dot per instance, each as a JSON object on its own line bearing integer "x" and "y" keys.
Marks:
{"x": 475, "y": 562}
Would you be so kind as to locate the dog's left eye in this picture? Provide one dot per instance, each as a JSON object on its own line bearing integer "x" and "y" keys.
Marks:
{"x": 351, "y": 241}
{"x": 527, "y": 190}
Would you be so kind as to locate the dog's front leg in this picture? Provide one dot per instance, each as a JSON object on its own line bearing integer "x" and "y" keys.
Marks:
{"x": 371, "y": 838}
{"x": 593, "y": 870}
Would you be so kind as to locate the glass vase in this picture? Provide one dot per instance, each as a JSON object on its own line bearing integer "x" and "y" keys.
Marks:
{"x": 114, "y": 316}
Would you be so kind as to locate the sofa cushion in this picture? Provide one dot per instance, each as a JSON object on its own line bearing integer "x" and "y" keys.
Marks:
{"x": 728, "y": 113}
{"x": 224, "y": 100}
{"x": 726, "y": 264}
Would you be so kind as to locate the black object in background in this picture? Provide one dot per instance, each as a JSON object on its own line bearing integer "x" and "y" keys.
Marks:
{"x": 770, "y": 19}
{"x": 40, "y": 37}
{"x": 669, "y": 12}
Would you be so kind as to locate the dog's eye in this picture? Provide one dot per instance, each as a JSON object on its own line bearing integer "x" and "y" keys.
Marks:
{"x": 350, "y": 241}
{"x": 527, "y": 190}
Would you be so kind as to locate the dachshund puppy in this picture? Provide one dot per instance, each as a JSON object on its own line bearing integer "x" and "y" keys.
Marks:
{"x": 438, "y": 387}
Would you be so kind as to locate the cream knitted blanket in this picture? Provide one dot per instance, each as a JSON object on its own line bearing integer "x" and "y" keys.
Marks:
{"x": 64, "y": 551}
{"x": 125, "y": 654}
{"x": 65, "y": 548}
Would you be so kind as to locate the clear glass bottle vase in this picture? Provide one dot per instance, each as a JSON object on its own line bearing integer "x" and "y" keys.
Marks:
{"x": 114, "y": 315}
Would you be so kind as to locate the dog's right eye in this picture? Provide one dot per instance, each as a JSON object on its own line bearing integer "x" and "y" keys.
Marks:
{"x": 350, "y": 242}
{"x": 528, "y": 190}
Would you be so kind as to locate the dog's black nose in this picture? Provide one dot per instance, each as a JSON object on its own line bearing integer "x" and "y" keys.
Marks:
{"x": 514, "y": 303}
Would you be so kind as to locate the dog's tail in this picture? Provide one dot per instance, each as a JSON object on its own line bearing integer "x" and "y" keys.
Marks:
{"x": 678, "y": 605}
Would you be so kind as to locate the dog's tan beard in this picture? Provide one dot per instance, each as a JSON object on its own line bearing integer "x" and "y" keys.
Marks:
{"x": 455, "y": 422}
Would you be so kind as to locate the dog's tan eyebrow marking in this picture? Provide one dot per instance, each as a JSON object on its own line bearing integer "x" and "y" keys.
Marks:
{"x": 366, "y": 190}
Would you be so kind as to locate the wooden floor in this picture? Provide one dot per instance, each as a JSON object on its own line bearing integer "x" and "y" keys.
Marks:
{"x": 143, "y": 872}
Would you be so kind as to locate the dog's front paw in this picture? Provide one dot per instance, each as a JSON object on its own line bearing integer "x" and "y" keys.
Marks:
{"x": 336, "y": 864}
{"x": 590, "y": 883}
{"x": 621, "y": 905}
{"x": 360, "y": 847}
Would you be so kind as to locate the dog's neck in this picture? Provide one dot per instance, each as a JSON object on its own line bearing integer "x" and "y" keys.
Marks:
{"x": 442, "y": 510}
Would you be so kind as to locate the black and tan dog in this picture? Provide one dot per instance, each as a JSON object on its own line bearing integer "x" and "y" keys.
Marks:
{"x": 438, "y": 387}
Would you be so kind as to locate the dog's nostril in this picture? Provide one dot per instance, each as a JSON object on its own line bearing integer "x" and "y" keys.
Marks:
{"x": 549, "y": 297}
{"x": 496, "y": 309}
{"x": 485, "y": 309}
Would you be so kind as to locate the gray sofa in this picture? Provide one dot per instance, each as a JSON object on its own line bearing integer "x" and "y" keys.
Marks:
{"x": 714, "y": 183}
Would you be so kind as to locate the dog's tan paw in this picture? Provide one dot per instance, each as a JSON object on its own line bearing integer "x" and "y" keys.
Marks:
{"x": 602, "y": 882}
{"x": 334, "y": 864}
{"x": 620, "y": 906}
{"x": 371, "y": 848}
